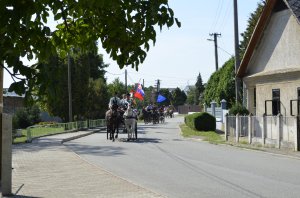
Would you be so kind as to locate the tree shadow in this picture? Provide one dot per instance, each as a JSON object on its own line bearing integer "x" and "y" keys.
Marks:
{"x": 96, "y": 150}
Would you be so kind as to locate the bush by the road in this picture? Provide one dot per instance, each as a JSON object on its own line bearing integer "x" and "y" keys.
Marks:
{"x": 201, "y": 121}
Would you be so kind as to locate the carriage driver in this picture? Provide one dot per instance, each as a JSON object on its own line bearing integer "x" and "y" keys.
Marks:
{"x": 126, "y": 101}
{"x": 115, "y": 100}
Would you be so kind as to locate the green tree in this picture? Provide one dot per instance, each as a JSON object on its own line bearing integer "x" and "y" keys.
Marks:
{"x": 221, "y": 85}
{"x": 97, "y": 101}
{"x": 179, "y": 97}
{"x": 199, "y": 88}
{"x": 116, "y": 86}
{"x": 166, "y": 93}
{"x": 252, "y": 21}
{"x": 52, "y": 91}
{"x": 191, "y": 96}
{"x": 125, "y": 29}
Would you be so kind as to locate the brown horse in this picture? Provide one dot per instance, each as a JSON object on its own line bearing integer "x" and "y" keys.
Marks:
{"x": 112, "y": 118}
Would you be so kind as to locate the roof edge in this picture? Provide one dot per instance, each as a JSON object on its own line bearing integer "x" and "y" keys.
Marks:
{"x": 259, "y": 28}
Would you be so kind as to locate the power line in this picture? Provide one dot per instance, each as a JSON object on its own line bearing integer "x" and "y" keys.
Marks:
{"x": 115, "y": 74}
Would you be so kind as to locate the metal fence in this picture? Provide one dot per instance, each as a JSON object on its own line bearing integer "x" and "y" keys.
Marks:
{"x": 50, "y": 129}
{"x": 279, "y": 131}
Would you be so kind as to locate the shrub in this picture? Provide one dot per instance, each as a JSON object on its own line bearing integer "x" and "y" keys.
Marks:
{"x": 201, "y": 121}
{"x": 238, "y": 109}
{"x": 26, "y": 117}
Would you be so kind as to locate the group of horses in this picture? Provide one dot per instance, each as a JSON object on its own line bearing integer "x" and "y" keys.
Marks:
{"x": 117, "y": 118}
{"x": 156, "y": 116}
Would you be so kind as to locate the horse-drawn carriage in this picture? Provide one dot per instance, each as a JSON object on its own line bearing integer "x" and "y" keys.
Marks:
{"x": 121, "y": 119}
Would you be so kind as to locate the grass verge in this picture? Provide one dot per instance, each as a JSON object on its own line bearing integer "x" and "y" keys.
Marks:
{"x": 37, "y": 132}
{"x": 210, "y": 136}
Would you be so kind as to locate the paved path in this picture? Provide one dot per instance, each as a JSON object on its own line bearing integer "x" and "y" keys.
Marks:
{"x": 46, "y": 168}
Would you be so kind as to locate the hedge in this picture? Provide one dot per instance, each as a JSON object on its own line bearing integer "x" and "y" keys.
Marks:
{"x": 201, "y": 121}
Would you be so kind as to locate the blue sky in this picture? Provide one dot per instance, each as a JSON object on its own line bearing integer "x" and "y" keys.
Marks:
{"x": 181, "y": 53}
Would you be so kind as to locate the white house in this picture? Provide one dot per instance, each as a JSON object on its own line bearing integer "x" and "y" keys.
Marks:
{"x": 270, "y": 71}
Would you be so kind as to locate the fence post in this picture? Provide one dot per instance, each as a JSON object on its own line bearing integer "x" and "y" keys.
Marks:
{"x": 28, "y": 134}
{"x": 205, "y": 107}
{"x": 279, "y": 119}
{"x": 264, "y": 129}
{"x": 237, "y": 127}
{"x": 250, "y": 128}
{"x": 223, "y": 104}
{"x": 226, "y": 127}
{"x": 213, "y": 105}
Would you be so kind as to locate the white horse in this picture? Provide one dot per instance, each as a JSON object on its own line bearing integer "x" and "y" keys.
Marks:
{"x": 130, "y": 117}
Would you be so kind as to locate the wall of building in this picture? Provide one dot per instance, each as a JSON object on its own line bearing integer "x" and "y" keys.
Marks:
{"x": 279, "y": 47}
{"x": 12, "y": 104}
{"x": 288, "y": 91}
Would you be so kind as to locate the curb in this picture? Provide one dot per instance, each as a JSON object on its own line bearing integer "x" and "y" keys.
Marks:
{"x": 81, "y": 135}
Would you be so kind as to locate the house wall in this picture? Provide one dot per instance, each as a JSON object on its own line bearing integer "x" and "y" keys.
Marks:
{"x": 279, "y": 41}
{"x": 12, "y": 104}
{"x": 288, "y": 91}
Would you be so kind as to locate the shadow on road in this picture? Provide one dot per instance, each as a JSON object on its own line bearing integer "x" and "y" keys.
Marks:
{"x": 96, "y": 150}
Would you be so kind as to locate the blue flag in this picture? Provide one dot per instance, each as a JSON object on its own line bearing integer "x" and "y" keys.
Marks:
{"x": 160, "y": 98}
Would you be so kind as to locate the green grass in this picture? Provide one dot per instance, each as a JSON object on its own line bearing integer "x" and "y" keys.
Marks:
{"x": 209, "y": 136}
{"x": 38, "y": 132}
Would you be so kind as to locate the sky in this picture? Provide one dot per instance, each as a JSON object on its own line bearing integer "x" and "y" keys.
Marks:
{"x": 180, "y": 54}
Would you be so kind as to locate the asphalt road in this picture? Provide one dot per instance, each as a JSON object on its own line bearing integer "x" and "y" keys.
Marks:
{"x": 164, "y": 162}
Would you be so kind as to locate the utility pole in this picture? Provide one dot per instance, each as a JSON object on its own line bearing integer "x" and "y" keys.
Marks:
{"x": 125, "y": 80}
{"x": 1, "y": 111}
{"x": 158, "y": 85}
{"x": 143, "y": 83}
{"x": 215, "y": 35}
{"x": 69, "y": 88}
{"x": 237, "y": 55}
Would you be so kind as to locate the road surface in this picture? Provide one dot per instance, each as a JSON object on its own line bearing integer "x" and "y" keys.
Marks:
{"x": 164, "y": 162}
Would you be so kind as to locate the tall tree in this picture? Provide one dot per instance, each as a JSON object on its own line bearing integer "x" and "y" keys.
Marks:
{"x": 199, "y": 88}
{"x": 52, "y": 93}
{"x": 252, "y": 21}
{"x": 179, "y": 97}
{"x": 116, "y": 86}
{"x": 97, "y": 99}
{"x": 125, "y": 29}
{"x": 221, "y": 85}
{"x": 191, "y": 96}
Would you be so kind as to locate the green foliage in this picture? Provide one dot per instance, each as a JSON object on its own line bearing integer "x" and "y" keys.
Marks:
{"x": 52, "y": 91}
{"x": 199, "y": 89}
{"x": 191, "y": 96}
{"x": 179, "y": 97}
{"x": 125, "y": 29}
{"x": 252, "y": 21}
{"x": 97, "y": 100}
{"x": 221, "y": 85}
{"x": 166, "y": 93}
{"x": 26, "y": 117}
{"x": 201, "y": 121}
{"x": 238, "y": 109}
{"x": 116, "y": 86}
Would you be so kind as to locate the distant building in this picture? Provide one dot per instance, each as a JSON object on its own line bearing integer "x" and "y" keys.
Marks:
{"x": 12, "y": 101}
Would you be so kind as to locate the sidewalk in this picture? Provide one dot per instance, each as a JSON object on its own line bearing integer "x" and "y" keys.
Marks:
{"x": 46, "y": 168}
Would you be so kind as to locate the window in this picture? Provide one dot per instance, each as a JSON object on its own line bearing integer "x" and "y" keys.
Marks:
{"x": 254, "y": 98}
{"x": 275, "y": 101}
